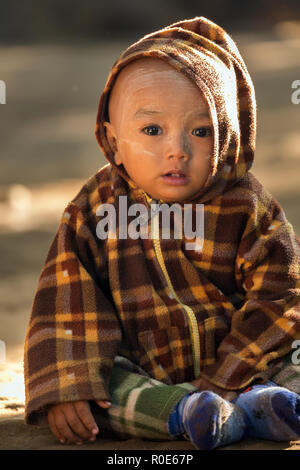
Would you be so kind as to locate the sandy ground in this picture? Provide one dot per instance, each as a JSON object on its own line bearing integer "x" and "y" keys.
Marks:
{"x": 16, "y": 435}
{"x": 47, "y": 151}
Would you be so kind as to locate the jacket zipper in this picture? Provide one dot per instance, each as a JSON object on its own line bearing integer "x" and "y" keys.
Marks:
{"x": 192, "y": 321}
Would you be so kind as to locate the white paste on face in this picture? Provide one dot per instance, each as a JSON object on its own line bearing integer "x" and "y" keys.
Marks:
{"x": 148, "y": 93}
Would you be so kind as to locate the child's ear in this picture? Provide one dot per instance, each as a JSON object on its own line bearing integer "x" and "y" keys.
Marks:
{"x": 112, "y": 140}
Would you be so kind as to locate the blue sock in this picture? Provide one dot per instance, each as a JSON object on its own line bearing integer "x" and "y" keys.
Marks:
{"x": 207, "y": 420}
{"x": 273, "y": 412}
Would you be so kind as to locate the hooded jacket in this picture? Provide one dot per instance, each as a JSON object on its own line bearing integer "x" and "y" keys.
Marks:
{"x": 228, "y": 312}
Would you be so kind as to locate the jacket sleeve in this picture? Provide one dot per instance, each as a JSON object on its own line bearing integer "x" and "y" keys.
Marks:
{"x": 268, "y": 274}
{"x": 73, "y": 332}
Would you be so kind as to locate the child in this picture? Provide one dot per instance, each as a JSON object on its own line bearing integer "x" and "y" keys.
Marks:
{"x": 159, "y": 337}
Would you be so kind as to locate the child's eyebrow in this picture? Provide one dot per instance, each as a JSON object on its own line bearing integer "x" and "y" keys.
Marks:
{"x": 145, "y": 111}
{"x": 199, "y": 113}
{"x": 151, "y": 112}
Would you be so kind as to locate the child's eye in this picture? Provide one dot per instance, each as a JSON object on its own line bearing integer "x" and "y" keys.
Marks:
{"x": 202, "y": 132}
{"x": 152, "y": 130}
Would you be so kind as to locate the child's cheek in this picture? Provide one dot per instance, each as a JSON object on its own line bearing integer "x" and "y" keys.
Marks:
{"x": 203, "y": 148}
{"x": 134, "y": 149}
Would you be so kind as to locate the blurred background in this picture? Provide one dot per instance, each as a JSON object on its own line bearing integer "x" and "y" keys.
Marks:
{"x": 55, "y": 56}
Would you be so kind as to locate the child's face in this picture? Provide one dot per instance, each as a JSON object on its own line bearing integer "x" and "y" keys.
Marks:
{"x": 159, "y": 125}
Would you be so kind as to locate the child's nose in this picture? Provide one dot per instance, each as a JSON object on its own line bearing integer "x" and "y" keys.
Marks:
{"x": 178, "y": 147}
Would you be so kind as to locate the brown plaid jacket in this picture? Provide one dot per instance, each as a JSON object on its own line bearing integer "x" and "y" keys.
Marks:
{"x": 228, "y": 312}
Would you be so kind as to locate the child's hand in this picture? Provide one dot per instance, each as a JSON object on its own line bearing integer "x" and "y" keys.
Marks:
{"x": 73, "y": 422}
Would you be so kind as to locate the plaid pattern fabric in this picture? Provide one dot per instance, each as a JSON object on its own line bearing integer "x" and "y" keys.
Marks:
{"x": 141, "y": 406}
{"x": 100, "y": 298}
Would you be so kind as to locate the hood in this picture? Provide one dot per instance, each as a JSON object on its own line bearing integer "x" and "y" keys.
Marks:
{"x": 206, "y": 54}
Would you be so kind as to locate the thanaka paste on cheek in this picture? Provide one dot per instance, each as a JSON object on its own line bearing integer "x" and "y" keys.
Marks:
{"x": 136, "y": 147}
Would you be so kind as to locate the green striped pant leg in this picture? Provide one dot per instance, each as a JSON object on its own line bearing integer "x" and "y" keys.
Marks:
{"x": 141, "y": 406}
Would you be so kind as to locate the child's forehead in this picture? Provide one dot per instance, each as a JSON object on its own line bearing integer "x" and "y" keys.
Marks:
{"x": 146, "y": 74}
{"x": 146, "y": 65}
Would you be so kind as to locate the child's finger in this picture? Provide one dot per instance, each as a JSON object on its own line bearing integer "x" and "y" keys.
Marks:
{"x": 53, "y": 428}
{"x": 64, "y": 428}
{"x": 84, "y": 412}
{"x": 77, "y": 415}
{"x": 103, "y": 403}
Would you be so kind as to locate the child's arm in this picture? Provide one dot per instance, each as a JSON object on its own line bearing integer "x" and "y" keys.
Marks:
{"x": 263, "y": 330}
{"x": 73, "y": 333}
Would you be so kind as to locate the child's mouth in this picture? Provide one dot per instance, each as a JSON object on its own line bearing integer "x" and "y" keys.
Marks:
{"x": 176, "y": 178}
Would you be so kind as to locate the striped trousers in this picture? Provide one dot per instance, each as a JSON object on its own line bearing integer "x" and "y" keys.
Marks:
{"x": 141, "y": 405}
